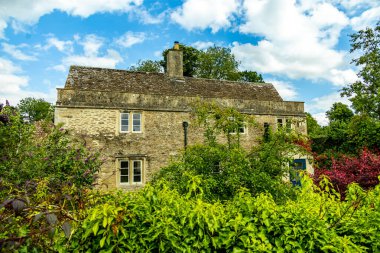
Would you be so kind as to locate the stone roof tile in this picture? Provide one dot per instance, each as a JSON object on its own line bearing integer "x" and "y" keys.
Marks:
{"x": 89, "y": 78}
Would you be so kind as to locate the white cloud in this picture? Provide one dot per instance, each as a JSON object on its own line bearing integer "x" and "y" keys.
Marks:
{"x": 129, "y": 39}
{"x": 108, "y": 60}
{"x": 16, "y": 53}
{"x": 91, "y": 44}
{"x": 28, "y": 12}
{"x": 59, "y": 67}
{"x": 157, "y": 53}
{"x": 367, "y": 19}
{"x": 321, "y": 118}
{"x": 202, "y": 14}
{"x": 201, "y": 45}
{"x": 143, "y": 16}
{"x": 11, "y": 82}
{"x": 286, "y": 90}
{"x": 355, "y": 6}
{"x": 14, "y": 84}
{"x": 298, "y": 42}
{"x": 60, "y": 45}
{"x": 318, "y": 106}
{"x": 92, "y": 55}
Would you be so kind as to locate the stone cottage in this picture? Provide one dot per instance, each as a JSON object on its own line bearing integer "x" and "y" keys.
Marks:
{"x": 138, "y": 119}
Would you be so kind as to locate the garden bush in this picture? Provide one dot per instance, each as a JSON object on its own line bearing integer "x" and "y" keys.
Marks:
{"x": 160, "y": 219}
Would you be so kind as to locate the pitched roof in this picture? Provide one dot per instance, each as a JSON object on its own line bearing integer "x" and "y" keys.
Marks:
{"x": 89, "y": 78}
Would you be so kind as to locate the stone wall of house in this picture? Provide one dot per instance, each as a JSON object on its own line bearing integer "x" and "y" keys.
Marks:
{"x": 162, "y": 136}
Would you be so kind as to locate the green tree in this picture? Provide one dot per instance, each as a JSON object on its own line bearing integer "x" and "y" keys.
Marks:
{"x": 250, "y": 76}
{"x": 147, "y": 66}
{"x": 365, "y": 92}
{"x": 363, "y": 131}
{"x": 339, "y": 112}
{"x": 313, "y": 128}
{"x": 218, "y": 63}
{"x": 36, "y": 109}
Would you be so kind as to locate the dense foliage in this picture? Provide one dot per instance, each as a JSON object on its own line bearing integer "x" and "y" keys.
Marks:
{"x": 222, "y": 167}
{"x": 42, "y": 150}
{"x": 34, "y": 109}
{"x": 160, "y": 219}
{"x": 347, "y": 149}
{"x": 345, "y": 170}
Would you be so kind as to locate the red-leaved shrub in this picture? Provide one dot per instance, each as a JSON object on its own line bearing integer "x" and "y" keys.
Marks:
{"x": 363, "y": 170}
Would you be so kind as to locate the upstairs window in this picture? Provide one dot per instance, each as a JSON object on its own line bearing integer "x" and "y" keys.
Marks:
{"x": 136, "y": 122}
{"x": 279, "y": 123}
{"x": 266, "y": 134}
{"x": 124, "y": 122}
{"x": 130, "y": 122}
{"x": 284, "y": 122}
{"x": 288, "y": 124}
{"x": 240, "y": 128}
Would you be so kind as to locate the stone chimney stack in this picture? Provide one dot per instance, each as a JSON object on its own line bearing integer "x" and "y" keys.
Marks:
{"x": 174, "y": 62}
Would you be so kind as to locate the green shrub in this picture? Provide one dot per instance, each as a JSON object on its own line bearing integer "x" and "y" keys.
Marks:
{"x": 160, "y": 219}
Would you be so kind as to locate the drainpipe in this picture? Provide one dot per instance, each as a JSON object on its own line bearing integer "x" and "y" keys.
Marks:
{"x": 185, "y": 126}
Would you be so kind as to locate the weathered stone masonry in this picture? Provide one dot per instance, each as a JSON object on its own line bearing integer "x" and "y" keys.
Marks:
{"x": 93, "y": 100}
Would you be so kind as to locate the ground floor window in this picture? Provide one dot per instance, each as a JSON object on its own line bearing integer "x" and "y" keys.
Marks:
{"x": 298, "y": 165}
{"x": 131, "y": 171}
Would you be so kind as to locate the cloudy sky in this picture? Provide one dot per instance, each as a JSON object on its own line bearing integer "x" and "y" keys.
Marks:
{"x": 301, "y": 46}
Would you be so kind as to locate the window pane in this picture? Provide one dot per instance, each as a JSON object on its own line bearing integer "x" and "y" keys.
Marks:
{"x": 137, "y": 171}
{"x": 124, "y": 164}
{"x": 124, "y": 172}
{"x": 124, "y": 122}
{"x": 136, "y": 122}
{"x": 288, "y": 124}
{"x": 299, "y": 164}
{"x": 279, "y": 122}
{"x": 124, "y": 179}
{"x": 266, "y": 131}
{"x": 137, "y": 178}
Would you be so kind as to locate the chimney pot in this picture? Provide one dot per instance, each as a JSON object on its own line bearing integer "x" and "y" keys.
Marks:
{"x": 176, "y": 45}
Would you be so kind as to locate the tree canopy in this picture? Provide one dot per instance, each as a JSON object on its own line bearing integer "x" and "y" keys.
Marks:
{"x": 339, "y": 112}
{"x": 35, "y": 109}
{"x": 147, "y": 66}
{"x": 364, "y": 93}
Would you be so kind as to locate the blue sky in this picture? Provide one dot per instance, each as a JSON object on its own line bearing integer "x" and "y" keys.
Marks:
{"x": 302, "y": 46}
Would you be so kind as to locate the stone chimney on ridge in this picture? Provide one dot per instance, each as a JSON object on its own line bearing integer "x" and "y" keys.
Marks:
{"x": 174, "y": 62}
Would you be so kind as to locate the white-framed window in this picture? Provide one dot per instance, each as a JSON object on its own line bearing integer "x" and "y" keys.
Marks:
{"x": 285, "y": 122}
{"x": 124, "y": 122}
{"x": 242, "y": 130}
{"x": 130, "y": 122}
{"x": 136, "y": 127}
{"x": 131, "y": 171}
